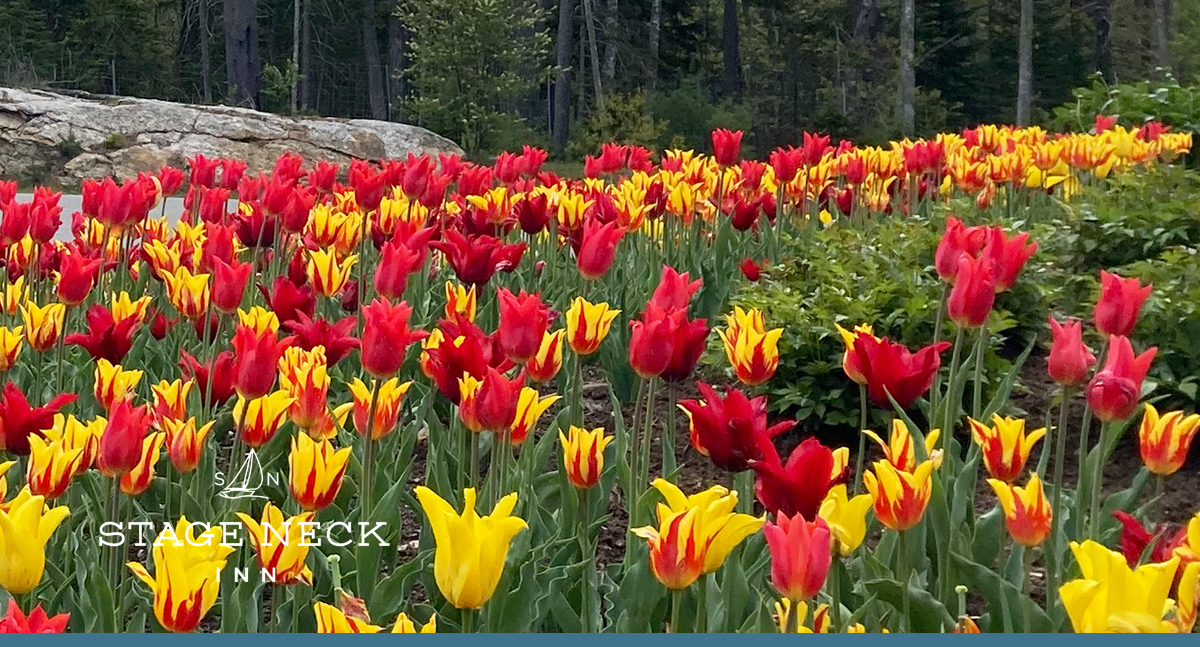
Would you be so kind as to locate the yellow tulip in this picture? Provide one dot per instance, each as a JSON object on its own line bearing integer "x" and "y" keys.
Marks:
{"x": 25, "y": 526}
{"x": 1005, "y": 444}
{"x": 259, "y": 319}
{"x": 113, "y": 383}
{"x": 588, "y": 324}
{"x": 11, "y": 341}
{"x": 530, "y": 408}
{"x": 583, "y": 455}
{"x": 900, "y": 497}
{"x": 4, "y": 467}
{"x": 43, "y": 324}
{"x": 124, "y": 307}
{"x": 331, "y": 620}
{"x": 470, "y": 550}
{"x": 900, "y": 450}
{"x": 189, "y": 293}
{"x": 75, "y": 434}
{"x": 326, "y": 273}
{"x": 753, "y": 351}
{"x": 315, "y": 471}
{"x": 720, "y": 529}
{"x": 186, "y": 578}
{"x": 52, "y": 465}
{"x": 846, "y": 517}
{"x": 15, "y": 295}
{"x": 785, "y": 611}
{"x": 282, "y": 545}
{"x": 1110, "y": 596}
{"x": 460, "y": 301}
{"x": 404, "y": 625}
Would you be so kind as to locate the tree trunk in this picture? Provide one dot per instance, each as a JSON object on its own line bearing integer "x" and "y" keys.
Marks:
{"x": 243, "y": 69}
{"x": 397, "y": 44}
{"x": 593, "y": 53}
{"x": 297, "y": 14}
{"x": 376, "y": 92}
{"x": 1161, "y": 42}
{"x": 610, "y": 40}
{"x": 562, "y": 77}
{"x": 1025, "y": 63}
{"x": 906, "y": 94}
{"x": 732, "y": 79}
{"x": 655, "y": 27}
{"x": 205, "y": 51}
{"x": 306, "y": 79}
{"x": 1102, "y": 45}
{"x": 866, "y": 20}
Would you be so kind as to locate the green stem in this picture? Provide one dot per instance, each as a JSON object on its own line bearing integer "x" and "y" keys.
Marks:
{"x": 473, "y": 477}
{"x": 468, "y": 621}
{"x": 274, "y": 608}
{"x": 702, "y": 605}
{"x": 977, "y": 403}
{"x": 635, "y": 454}
{"x": 1098, "y": 483}
{"x": 585, "y": 611}
{"x": 903, "y": 569}
{"x": 1156, "y": 512}
{"x": 676, "y": 603}
{"x": 835, "y": 594}
{"x": 1084, "y": 443}
{"x": 935, "y": 393}
{"x": 365, "y": 492}
{"x": 300, "y": 597}
{"x": 860, "y": 457}
{"x": 950, "y": 415}
{"x": 1054, "y": 572}
{"x": 114, "y": 553}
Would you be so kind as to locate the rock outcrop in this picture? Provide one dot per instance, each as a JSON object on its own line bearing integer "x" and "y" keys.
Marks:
{"x": 68, "y": 137}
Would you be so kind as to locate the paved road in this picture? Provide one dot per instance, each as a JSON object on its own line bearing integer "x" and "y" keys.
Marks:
{"x": 72, "y": 203}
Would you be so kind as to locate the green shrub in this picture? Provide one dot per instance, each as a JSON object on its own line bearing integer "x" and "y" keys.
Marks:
{"x": 625, "y": 120}
{"x": 882, "y": 275}
{"x": 1135, "y": 103}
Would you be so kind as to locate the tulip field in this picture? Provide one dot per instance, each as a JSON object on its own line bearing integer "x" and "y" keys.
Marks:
{"x": 433, "y": 395}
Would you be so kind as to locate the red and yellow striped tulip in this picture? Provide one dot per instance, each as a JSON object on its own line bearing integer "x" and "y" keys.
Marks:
{"x": 282, "y": 545}
{"x": 43, "y": 324}
{"x": 1027, "y": 512}
{"x": 1164, "y": 440}
{"x": 113, "y": 383}
{"x": 186, "y": 578}
{"x": 137, "y": 480}
{"x": 753, "y": 351}
{"x": 185, "y": 442}
{"x": 315, "y": 471}
{"x": 588, "y": 324}
{"x": 900, "y": 497}
{"x": 583, "y": 455}
{"x": 1006, "y": 445}
{"x": 52, "y": 465}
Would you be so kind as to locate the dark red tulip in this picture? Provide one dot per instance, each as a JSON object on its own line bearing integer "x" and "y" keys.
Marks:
{"x": 598, "y": 248}
{"x": 19, "y": 420}
{"x": 674, "y": 291}
{"x": 523, "y": 322}
{"x": 751, "y": 270}
{"x": 533, "y": 213}
{"x": 1114, "y": 392}
{"x": 256, "y": 360}
{"x": 337, "y": 339}
{"x": 121, "y": 442}
{"x": 744, "y": 215}
{"x": 220, "y": 372}
{"x": 160, "y": 325}
{"x": 288, "y": 301}
{"x": 731, "y": 431}
{"x": 229, "y": 284}
{"x": 652, "y": 342}
{"x": 1070, "y": 360}
{"x": 1120, "y": 303}
{"x": 386, "y": 337}
{"x": 727, "y": 146}
{"x": 1136, "y": 538}
{"x": 891, "y": 368}
{"x": 475, "y": 259}
{"x": 691, "y": 338}
{"x": 105, "y": 338}
{"x": 799, "y": 486}
{"x": 974, "y": 292}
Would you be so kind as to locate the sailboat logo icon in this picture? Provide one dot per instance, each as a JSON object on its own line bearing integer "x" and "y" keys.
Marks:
{"x": 246, "y": 481}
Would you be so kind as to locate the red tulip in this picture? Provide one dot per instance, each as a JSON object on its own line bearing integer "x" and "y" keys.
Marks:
{"x": 288, "y": 300}
{"x": 598, "y": 248}
{"x": 170, "y": 179}
{"x": 1114, "y": 392}
{"x": 220, "y": 371}
{"x": 1103, "y": 123}
{"x": 475, "y": 259}
{"x": 219, "y": 244}
{"x": 1120, "y": 301}
{"x": 416, "y": 176}
{"x": 255, "y": 229}
{"x": 105, "y": 338}
{"x": 496, "y": 402}
{"x": 523, "y": 322}
{"x": 256, "y": 360}
{"x": 799, "y": 487}
{"x": 1070, "y": 360}
{"x": 751, "y": 270}
{"x": 1007, "y": 255}
{"x": 744, "y": 214}
{"x": 533, "y": 213}
{"x": 77, "y": 275}
{"x": 691, "y": 338}
{"x": 727, "y": 146}
{"x": 203, "y": 170}
{"x": 323, "y": 175}
{"x": 957, "y": 240}
{"x": 293, "y": 215}
{"x": 731, "y": 431}
{"x": 37, "y": 622}
{"x": 652, "y": 342}
{"x": 973, "y": 293}
{"x": 386, "y": 337}
{"x": 232, "y": 171}
{"x": 396, "y": 262}
{"x": 160, "y": 325}
{"x": 891, "y": 368}
{"x": 45, "y": 215}
{"x": 229, "y": 284}
{"x": 19, "y": 420}
{"x": 1136, "y": 538}
{"x": 674, "y": 291}
{"x": 800, "y": 555}
{"x": 465, "y": 351}
{"x": 337, "y": 339}
{"x": 15, "y": 224}
{"x": 121, "y": 442}
{"x": 368, "y": 185}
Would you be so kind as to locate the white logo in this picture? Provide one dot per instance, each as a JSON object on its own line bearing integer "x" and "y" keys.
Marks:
{"x": 246, "y": 481}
